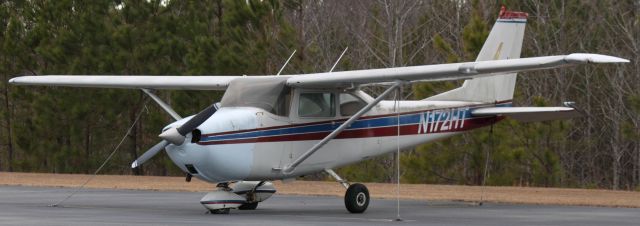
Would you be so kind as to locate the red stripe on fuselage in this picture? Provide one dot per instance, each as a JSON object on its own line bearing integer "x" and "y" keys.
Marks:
{"x": 345, "y": 119}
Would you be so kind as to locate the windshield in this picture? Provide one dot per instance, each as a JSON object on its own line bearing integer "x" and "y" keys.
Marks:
{"x": 270, "y": 94}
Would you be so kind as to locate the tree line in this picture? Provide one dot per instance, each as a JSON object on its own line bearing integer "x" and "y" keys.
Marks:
{"x": 71, "y": 130}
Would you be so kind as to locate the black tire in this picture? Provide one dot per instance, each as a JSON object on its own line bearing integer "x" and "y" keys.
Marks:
{"x": 248, "y": 206}
{"x": 220, "y": 211}
{"x": 357, "y": 198}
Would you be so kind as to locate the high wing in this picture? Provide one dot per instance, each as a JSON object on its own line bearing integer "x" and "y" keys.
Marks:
{"x": 129, "y": 82}
{"x": 427, "y": 73}
{"x": 445, "y": 72}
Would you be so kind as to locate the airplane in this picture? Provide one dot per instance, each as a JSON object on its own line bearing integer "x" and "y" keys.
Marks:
{"x": 280, "y": 127}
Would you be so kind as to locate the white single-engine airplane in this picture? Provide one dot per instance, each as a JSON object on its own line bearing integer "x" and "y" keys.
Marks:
{"x": 269, "y": 128}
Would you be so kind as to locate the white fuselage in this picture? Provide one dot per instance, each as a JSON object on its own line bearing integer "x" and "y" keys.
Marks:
{"x": 246, "y": 143}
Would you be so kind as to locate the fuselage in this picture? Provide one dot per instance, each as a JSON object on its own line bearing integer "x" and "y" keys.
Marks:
{"x": 248, "y": 143}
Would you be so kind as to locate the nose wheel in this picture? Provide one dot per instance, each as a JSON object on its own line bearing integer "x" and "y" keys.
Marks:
{"x": 356, "y": 199}
{"x": 220, "y": 211}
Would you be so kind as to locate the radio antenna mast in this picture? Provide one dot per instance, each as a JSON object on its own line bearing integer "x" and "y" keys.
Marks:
{"x": 287, "y": 62}
{"x": 339, "y": 58}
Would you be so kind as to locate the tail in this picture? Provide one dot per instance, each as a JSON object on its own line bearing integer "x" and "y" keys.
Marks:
{"x": 504, "y": 42}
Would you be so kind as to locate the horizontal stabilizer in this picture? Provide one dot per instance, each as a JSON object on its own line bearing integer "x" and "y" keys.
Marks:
{"x": 529, "y": 114}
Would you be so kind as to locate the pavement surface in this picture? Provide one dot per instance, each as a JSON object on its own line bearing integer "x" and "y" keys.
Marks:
{"x": 30, "y": 206}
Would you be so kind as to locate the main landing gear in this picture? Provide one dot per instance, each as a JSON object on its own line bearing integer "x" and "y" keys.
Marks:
{"x": 244, "y": 195}
{"x": 248, "y": 206}
{"x": 356, "y": 199}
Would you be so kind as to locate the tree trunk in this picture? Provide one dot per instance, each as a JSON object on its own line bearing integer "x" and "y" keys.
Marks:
{"x": 637, "y": 180}
{"x": 302, "y": 31}
{"x": 8, "y": 125}
{"x": 634, "y": 171}
{"x": 616, "y": 155}
{"x": 87, "y": 145}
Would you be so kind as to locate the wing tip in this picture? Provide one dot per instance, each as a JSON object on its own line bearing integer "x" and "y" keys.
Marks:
{"x": 593, "y": 58}
{"x": 13, "y": 80}
{"x": 21, "y": 80}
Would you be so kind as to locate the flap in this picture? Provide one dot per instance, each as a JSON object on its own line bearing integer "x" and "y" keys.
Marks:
{"x": 529, "y": 114}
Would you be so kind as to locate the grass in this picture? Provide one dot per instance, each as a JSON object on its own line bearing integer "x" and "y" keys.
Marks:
{"x": 427, "y": 192}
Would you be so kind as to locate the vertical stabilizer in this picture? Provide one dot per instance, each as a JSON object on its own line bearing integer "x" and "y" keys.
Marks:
{"x": 504, "y": 42}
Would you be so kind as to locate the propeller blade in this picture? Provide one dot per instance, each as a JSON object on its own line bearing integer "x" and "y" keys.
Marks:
{"x": 197, "y": 120}
{"x": 176, "y": 135}
{"x": 150, "y": 153}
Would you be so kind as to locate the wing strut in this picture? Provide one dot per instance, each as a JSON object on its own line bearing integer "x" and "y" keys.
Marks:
{"x": 291, "y": 167}
{"x": 162, "y": 104}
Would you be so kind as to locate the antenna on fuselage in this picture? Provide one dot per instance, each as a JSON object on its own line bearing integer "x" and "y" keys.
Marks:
{"x": 287, "y": 62}
{"x": 339, "y": 58}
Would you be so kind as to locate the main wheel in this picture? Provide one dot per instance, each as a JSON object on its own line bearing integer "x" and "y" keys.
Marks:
{"x": 357, "y": 198}
{"x": 220, "y": 211}
{"x": 248, "y": 206}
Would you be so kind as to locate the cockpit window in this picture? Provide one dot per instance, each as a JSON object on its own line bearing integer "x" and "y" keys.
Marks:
{"x": 317, "y": 105}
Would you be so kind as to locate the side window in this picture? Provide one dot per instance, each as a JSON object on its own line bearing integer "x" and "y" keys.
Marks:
{"x": 350, "y": 105}
{"x": 317, "y": 105}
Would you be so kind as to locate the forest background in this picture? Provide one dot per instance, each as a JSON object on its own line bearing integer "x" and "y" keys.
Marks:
{"x": 72, "y": 130}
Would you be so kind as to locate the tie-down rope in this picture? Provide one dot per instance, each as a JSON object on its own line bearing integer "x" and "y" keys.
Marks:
{"x": 144, "y": 107}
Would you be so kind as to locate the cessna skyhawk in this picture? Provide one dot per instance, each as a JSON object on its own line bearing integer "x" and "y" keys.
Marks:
{"x": 273, "y": 127}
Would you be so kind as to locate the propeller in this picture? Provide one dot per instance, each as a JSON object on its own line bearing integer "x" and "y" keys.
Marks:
{"x": 176, "y": 135}
{"x": 149, "y": 153}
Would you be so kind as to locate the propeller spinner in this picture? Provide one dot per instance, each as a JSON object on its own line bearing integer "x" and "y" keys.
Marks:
{"x": 176, "y": 135}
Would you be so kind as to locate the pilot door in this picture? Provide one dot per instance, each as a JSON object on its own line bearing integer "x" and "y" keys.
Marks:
{"x": 314, "y": 114}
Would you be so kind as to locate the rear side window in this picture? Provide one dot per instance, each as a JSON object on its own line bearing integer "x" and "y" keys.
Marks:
{"x": 350, "y": 105}
{"x": 317, "y": 105}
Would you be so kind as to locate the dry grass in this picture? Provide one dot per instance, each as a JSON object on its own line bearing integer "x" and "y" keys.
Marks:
{"x": 527, "y": 195}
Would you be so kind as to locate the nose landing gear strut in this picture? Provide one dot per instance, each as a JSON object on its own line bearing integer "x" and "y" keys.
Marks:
{"x": 356, "y": 199}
